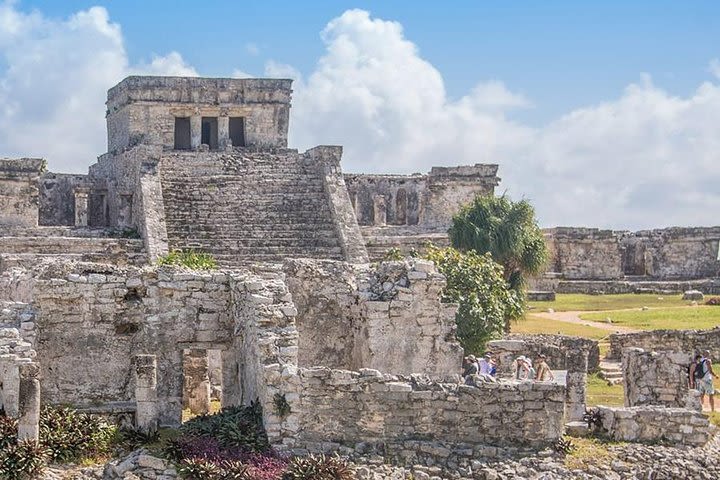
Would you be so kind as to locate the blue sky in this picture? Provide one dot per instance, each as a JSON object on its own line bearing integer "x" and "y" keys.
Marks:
{"x": 561, "y": 54}
{"x": 602, "y": 114}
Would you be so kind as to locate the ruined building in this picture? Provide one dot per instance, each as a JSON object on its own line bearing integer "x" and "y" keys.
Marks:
{"x": 338, "y": 351}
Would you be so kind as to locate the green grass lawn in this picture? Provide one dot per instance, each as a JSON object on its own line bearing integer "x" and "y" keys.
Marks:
{"x": 534, "y": 324}
{"x": 699, "y": 317}
{"x": 565, "y": 302}
{"x": 600, "y": 393}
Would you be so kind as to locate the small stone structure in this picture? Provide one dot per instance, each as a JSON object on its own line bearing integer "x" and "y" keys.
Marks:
{"x": 687, "y": 341}
{"x": 658, "y": 378}
{"x": 652, "y": 424}
{"x": 19, "y": 191}
{"x": 557, "y": 349}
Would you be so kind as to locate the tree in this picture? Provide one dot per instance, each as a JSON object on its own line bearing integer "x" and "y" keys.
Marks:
{"x": 485, "y": 301}
{"x": 505, "y": 229}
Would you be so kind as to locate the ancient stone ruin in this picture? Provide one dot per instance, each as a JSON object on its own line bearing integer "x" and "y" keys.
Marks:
{"x": 341, "y": 354}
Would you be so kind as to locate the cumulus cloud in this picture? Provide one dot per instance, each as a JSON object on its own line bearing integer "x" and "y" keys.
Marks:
{"x": 54, "y": 75}
{"x": 644, "y": 159}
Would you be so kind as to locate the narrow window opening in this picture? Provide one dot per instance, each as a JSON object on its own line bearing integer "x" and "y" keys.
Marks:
{"x": 182, "y": 133}
{"x": 237, "y": 131}
{"x": 209, "y": 135}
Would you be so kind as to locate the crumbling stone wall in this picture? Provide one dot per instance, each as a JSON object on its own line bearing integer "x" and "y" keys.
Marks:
{"x": 657, "y": 378}
{"x": 19, "y": 197}
{"x": 57, "y": 200}
{"x": 555, "y": 347}
{"x": 414, "y": 415}
{"x": 652, "y": 424}
{"x": 662, "y": 254}
{"x": 142, "y": 110}
{"x": 685, "y": 341}
{"x": 426, "y": 201}
{"x": 389, "y": 318}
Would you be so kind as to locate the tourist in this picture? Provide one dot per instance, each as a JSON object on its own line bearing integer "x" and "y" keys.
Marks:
{"x": 703, "y": 375}
{"x": 484, "y": 364}
{"x": 470, "y": 366}
{"x": 693, "y": 370}
{"x": 523, "y": 369}
{"x": 543, "y": 370}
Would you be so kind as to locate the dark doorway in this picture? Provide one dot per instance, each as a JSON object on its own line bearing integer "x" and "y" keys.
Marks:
{"x": 209, "y": 135}
{"x": 182, "y": 133}
{"x": 401, "y": 205}
{"x": 237, "y": 131}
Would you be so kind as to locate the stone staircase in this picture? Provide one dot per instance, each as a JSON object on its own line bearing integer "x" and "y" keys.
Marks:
{"x": 26, "y": 246}
{"x": 245, "y": 207}
{"x": 378, "y": 240}
{"x": 611, "y": 372}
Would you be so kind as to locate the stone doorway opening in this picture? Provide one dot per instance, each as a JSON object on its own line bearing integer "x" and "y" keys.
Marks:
{"x": 202, "y": 382}
{"x": 209, "y": 132}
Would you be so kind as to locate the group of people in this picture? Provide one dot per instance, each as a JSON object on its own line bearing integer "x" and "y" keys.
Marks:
{"x": 526, "y": 369}
{"x": 484, "y": 369}
{"x": 701, "y": 377}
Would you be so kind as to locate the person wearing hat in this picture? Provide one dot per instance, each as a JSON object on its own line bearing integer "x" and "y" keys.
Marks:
{"x": 543, "y": 370}
{"x": 522, "y": 368}
{"x": 484, "y": 364}
{"x": 471, "y": 367}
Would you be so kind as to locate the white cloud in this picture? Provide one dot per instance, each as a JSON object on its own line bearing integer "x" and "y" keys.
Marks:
{"x": 54, "y": 75}
{"x": 641, "y": 160}
{"x": 646, "y": 158}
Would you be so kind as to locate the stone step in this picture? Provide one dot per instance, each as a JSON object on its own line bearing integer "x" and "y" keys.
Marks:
{"x": 63, "y": 245}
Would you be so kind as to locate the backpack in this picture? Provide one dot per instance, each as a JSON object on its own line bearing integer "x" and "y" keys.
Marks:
{"x": 700, "y": 372}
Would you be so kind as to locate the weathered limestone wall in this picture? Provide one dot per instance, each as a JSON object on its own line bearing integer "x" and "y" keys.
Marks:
{"x": 57, "y": 200}
{"x": 416, "y": 417}
{"x": 426, "y": 201}
{"x": 657, "y": 378}
{"x": 685, "y": 341}
{"x": 555, "y": 347}
{"x": 142, "y": 110}
{"x": 19, "y": 191}
{"x": 132, "y": 197}
{"x": 663, "y": 254}
{"x": 115, "y": 316}
{"x": 390, "y": 318}
{"x": 652, "y": 424}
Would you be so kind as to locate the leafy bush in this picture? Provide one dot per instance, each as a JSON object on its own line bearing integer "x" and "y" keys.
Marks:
{"x": 22, "y": 461}
{"x": 318, "y": 467}
{"x": 235, "y": 427}
{"x": 393, "y": 254}
{"x": 69, "y": 435}
{"x": 188, "y": 259}
{"x": 8, "y": 432}
{"x": 485, "y": 300}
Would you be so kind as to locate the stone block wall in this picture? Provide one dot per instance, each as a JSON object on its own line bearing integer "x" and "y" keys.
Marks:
{"x": 57, "y": 200}
{"x": 555, "y": 347}
{"x": 584, "y": 253}
{"x": 388, "y": 318}
{"x": 412, "y": 416}
{"x": 427, "y": 202}
{"x": 652, "y": 424}
{"x": 142, "y": 110}
{"x": 19, "y": 191}
{"x": 685, "y": 341}
{"x": 657, "y": 378}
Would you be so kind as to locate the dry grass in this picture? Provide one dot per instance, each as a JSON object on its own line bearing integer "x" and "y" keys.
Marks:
{"x": 589, "y": 451}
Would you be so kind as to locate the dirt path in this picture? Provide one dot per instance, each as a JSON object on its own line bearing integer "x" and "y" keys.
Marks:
{"x": 574, "y": 317}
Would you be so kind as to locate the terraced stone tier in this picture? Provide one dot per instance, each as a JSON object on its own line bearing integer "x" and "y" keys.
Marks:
{"x": 244, "y": 207}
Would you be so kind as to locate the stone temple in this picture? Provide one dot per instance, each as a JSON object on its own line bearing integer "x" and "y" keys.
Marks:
{"x": 363, "y": 355}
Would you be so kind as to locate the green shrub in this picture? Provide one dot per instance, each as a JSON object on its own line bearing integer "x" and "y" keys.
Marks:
{"x": 393, "y": 254}
{"x": 486, "y": 301}
{"x": 69, "y": 435}
{"x": 188, "y": 259}
{"x": 8, "y": 432}
{"x": 198, "y": 469}
{"x": 21, "y": 461}
{"x": 318, "y": 467}
{"x": 234, "y": 427}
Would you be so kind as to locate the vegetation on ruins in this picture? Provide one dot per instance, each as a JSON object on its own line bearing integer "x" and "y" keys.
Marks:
{"x": 505, "y": 229}
{"x": 485, "y": 301}
{"x": 318, "y": 467}
{"x": 188, "y": 259}
{"x": 65, "y": 436}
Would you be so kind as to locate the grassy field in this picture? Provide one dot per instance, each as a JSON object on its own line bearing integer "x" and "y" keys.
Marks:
{"x": 699, "y": 317}
{"x": 580, "y": 302}
{"x": 600, "y": 393}
{"x": 534, "y": 324}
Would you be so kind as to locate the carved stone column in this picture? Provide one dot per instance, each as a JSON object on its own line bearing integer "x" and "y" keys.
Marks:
{"x": 81, "y": 206}
{"x": 146, "y": 413}
{"x": 29, "y": 402}
{"x": 196, "y": 381}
